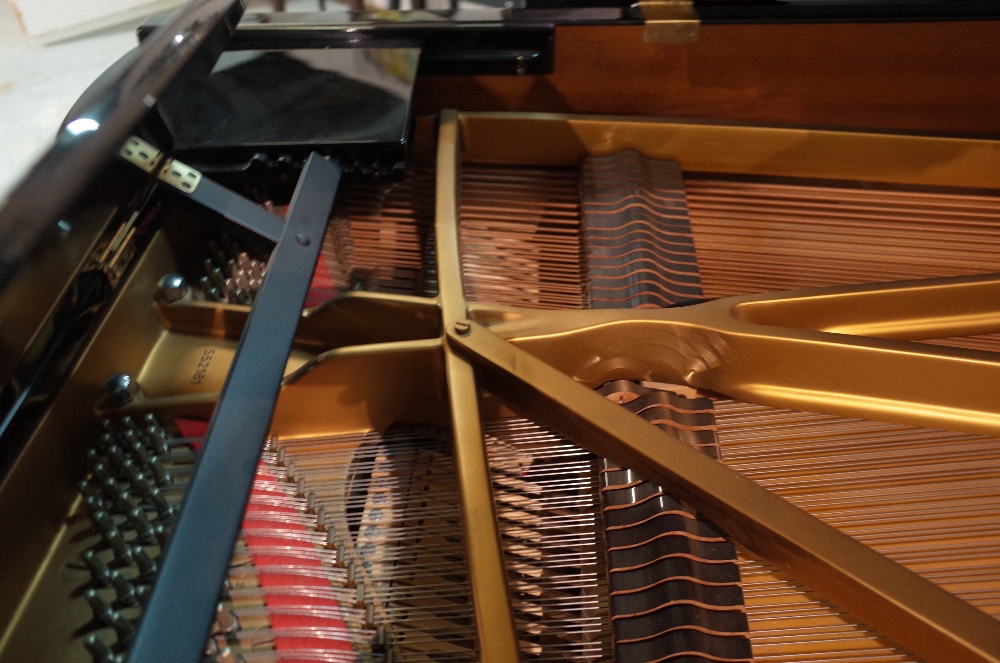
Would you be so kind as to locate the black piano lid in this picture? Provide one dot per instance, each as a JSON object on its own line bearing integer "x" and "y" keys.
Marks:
{"x": 271, "y": 107}
{"x": 47, "y": 230}
{"x": 352, "y": 103}
{"x": 107, "y": 114}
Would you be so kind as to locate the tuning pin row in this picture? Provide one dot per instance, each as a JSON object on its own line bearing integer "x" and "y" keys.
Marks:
{"x": 106, "y": 615}
{"x": 99, "y": 651}
{"x": 231, "y": 274}
{"x": 129, "y": 496}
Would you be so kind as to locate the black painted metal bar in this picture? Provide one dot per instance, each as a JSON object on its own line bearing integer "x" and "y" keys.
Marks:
{"x": 237, "y": 209}
{"x": 177, "y": 619}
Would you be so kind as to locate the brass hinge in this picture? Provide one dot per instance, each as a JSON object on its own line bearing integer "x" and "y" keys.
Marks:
{"x": 175, "y": 173}
{"x": 669, "y": 21}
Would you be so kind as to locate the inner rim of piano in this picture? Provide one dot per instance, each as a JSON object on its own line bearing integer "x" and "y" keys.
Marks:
{"x": 445, "y": 320}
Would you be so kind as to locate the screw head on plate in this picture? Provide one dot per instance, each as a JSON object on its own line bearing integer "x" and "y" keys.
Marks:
{"x": 171, "y": 287}
{"x": 120, "y": 389}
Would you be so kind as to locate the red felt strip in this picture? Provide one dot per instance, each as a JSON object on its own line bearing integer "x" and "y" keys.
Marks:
{"x": 259, "y": 518}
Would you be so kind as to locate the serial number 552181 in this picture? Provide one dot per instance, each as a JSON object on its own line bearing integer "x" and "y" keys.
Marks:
{"x": 199, "y": 372}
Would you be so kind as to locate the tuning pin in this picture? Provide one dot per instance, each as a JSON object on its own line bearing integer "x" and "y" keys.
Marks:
{"x": 206, "y": 286}
{"x": 99, "y": 652}
{"x": 160, "y": 474}
{"x": 135, "y": 443}
{"x": 321, "y": 519}
{"x": 133, "y": 475}
{"x": 98, "y": 569}
{"x": 163, "y": 508}
{"x": 99, "y": 607}
{"x": 147, "y": 567}
{"x": 159, "y": 437}
{"x": 103, "y": 521}
{"x": 112, "y": 537}
{"x": 101, "y": 473}
{"x": 162, "y": 535}
{"x": 94, "y": 504}
{"x": 149, "y": 420}
{"x": 91, "y": 498}
{"x": 146, "y": 462}
{"x": 93, "y": 458}
{"x": 107, "y": 439}
{"x": 225, "y": 620}
{"x": 123, "y": 628}
{"x": 115, "y": 540}
{"x": 143, "y": 530}
{"x": 310, "y": 498}
{"x": 117, "y": 496}
{"x": 218, "y": 279}
{"x": 124, "y": 589}
{"x": 128, "y": 423}
{"x": 117, "y": 459}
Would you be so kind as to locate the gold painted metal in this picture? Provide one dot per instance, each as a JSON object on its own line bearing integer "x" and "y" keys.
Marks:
{"x": 562, "y": 140}
{"x": 353, "y": 318}
{"x": 356, "y": 318}
{"x": 208, "y": 319}
{"x": 449, "y": 262}
{"x": 494, "y": 617}
{"x": 362, "y": 389}
{"x": 669, "y": 21}
{"x": 933, "y": 623}
{"x": 189, "y": 364}
{"x": 930, "y": 308}
{"x": 184, "y": 374}
{"x": 801, "y": 350}
{"x": 709, "y": 346}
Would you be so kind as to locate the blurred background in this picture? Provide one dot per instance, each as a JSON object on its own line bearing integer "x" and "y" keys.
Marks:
{"x": 39, "y": 83}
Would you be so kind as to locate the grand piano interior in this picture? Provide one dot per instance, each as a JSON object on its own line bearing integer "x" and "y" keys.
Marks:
{"x": 662, "y": 332}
